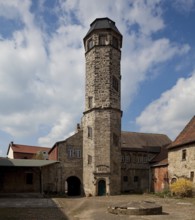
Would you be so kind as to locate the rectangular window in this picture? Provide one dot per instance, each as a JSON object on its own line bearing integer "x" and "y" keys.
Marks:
{"x": 115, "y": 42}
{"x": 123, "y": 158}
{"x": 136, "y": 178}
{"x": 29, "y": 178}
{"x": 127, "y": 158}
{"x": 89, "y": 132}
{"x": 115, "y": 83}
{"x": 90, "y": 102}
{"x": 192, "y": 175}
{"x": 78, "y": 153}
{"x": 89, "y": 159}
{"x": 70, "y": 153}
{"x": 125, "y": 178}
{"x": 115, "y": 139}
{"x": 102, "y": 40}
{"x": 183, "y": 154}
{"x": 90, "y": 44}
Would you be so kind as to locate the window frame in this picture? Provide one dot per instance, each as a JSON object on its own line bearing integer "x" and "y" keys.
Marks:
{"x": 184, "y": 154}
{"x": 89, "y": 132}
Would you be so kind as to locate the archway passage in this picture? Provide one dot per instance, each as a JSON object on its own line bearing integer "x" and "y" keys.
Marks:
{"x": 101, "y": 188}
{"x": 74, "y": 186}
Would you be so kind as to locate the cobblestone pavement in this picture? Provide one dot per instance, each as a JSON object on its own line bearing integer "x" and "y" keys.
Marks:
{"x": 92, "y": 208}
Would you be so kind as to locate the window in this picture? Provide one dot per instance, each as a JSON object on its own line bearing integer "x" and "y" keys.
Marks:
{"x": 70, "y": 152}
{"x": 29, "y": 178}
{"x": 125, "y": 178}
{"x": 115, "y": 83}
{"x": 90, "y": 44}
{"x": 115, "y": 42}
{"x": 192, "y": 175}
{"x": 90, "y": 102}
{"x": 123, "y": 158}
{"x": 74, "y": 153}
{"x": 136, "y": 178}
{"x": 127, "y": 158}
{"x": 115, "y": 139}
{"x": 89, "y": 159}
{"x": 89, "y": 132}
{"x": 183, "y": 154}
{"x": 102, "y": 40}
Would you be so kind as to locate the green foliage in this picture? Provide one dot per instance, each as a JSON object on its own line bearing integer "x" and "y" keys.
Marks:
{"x": 164, "y": 193}
{"x": 182, "y": 188}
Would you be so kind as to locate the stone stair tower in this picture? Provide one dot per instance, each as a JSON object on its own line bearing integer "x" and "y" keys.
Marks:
{"x": 102, "y": 116}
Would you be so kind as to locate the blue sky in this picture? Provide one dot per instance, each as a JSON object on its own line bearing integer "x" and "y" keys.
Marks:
{"x": 42, "y": 66}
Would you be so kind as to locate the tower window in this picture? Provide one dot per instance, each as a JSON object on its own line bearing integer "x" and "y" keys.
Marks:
{"x": 90, "y": 102}
{"x": 89, "y": 134}
{"x": 89, "y": 159}
{"x": 102, "y": 40}
{"x": 115, "y": 139}
{"x": 115, "y": 83}
{"x": 90, "y": 44}
{"x": 183, "y": 154}
{"x": 115, "y": 42}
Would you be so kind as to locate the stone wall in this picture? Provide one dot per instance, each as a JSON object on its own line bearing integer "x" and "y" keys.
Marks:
{"x": 179, "y": 167}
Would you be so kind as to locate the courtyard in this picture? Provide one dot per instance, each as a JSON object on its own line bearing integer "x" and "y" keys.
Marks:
{"x": 91, "y": 208}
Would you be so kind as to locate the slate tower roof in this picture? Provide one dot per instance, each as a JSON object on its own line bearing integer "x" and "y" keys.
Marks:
{"x": 103, "y": 23}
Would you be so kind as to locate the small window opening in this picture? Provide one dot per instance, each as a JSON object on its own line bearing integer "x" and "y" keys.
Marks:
{"x": 183, "y": 154}
{"x": 115, "y": 83}
{"x": 29, "y": 178}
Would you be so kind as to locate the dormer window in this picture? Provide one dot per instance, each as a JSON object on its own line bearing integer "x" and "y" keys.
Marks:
{"x": 90, "y": 44}
{"x": 102, "y": 40}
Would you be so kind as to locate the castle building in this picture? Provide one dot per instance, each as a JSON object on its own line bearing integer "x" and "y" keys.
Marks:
{"x": 100, "y": 159}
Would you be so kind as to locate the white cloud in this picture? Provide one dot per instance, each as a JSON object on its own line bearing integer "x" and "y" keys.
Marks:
{"x": 42, "y": 74}
{"x": 170, "y": 113}
{"x": 184, "y": 6}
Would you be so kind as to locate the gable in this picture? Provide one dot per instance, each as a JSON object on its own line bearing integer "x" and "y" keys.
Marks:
{"x": 186, "y": 136}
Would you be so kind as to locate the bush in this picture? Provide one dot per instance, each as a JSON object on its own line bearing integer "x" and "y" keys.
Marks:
{"x": 182, "y": 188}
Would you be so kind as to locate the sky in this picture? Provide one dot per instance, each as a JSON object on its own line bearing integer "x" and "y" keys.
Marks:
{"x": 42, "y": 66}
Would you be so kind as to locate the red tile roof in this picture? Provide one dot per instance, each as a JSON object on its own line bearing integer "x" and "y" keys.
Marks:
{"x": 19, "y": 148}
{"x": 186, "y": 136}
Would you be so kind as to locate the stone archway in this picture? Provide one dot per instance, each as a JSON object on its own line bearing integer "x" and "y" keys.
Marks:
{"x": 73, "y": 186}
{"x": 101, "y": 187}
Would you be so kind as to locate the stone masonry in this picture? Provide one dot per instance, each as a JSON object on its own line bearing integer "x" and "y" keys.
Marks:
{"x": 102, "y": 117}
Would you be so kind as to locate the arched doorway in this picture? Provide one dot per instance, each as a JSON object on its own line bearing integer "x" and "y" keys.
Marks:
{"x": 74, "y": 186}
{"x": 101, "y": 188}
